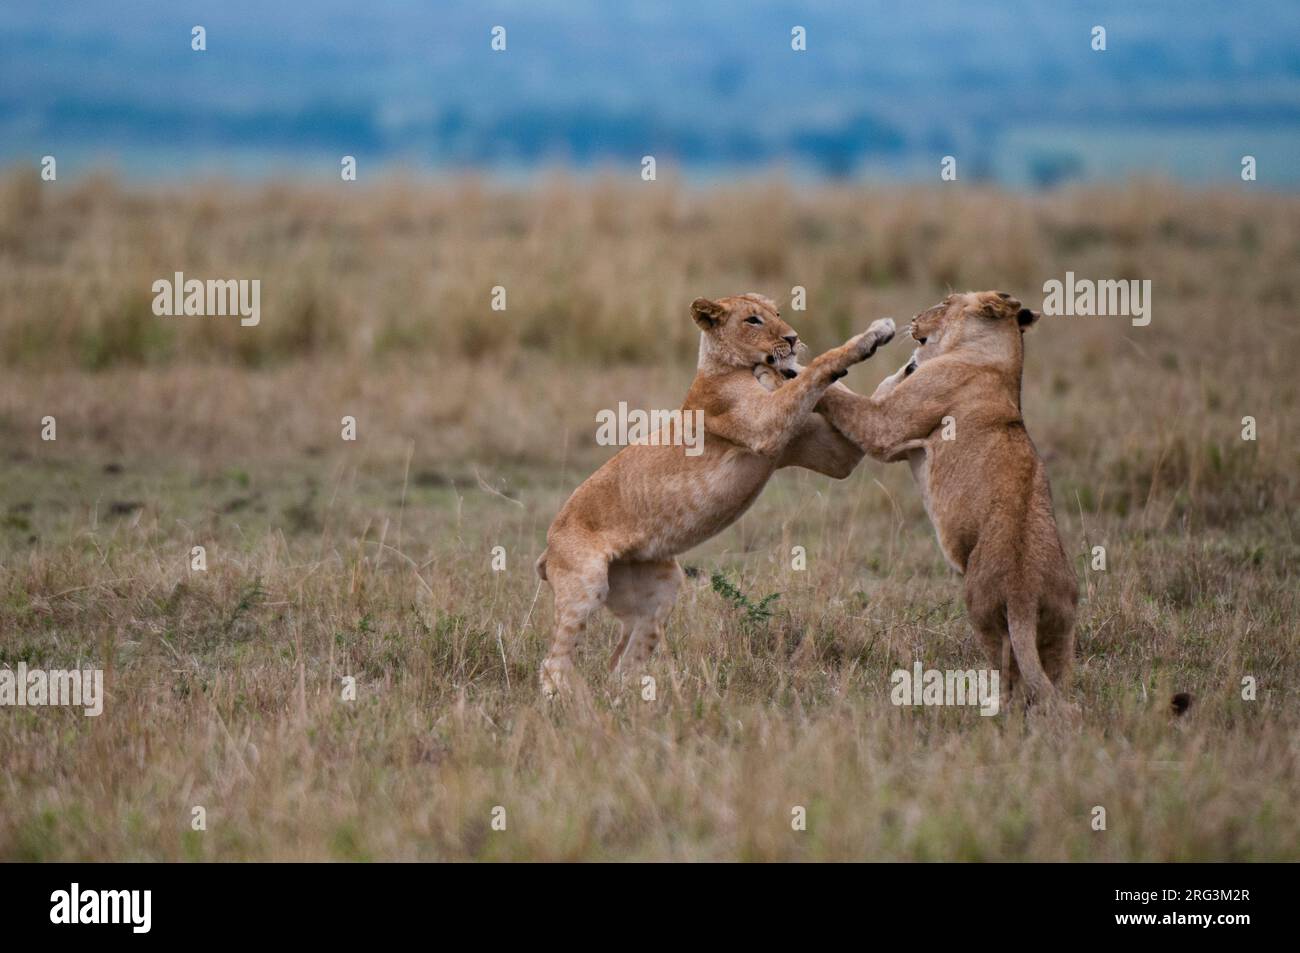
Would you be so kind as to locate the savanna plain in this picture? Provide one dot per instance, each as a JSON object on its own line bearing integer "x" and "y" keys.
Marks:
{"x": 373, "y": 559}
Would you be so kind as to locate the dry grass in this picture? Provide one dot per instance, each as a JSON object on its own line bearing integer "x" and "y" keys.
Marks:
{"x": 372, "y": 559}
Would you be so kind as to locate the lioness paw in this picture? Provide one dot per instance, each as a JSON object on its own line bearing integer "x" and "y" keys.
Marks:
{"x": 555, "y": 677}
{"x": 863, "y": 345}
{"x": 768, "y": 377}
{"x": 880, "y": 332}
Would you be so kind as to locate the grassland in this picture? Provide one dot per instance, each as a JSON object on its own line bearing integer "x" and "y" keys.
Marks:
{"x": 372, "y": 559}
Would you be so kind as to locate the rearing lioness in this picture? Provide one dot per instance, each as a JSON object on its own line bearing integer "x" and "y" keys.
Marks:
{"x": 613, "y": 542}
{"x": 981, "y": 479}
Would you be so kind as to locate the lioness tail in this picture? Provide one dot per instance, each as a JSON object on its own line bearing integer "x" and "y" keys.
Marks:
{"x": 1022, "y": 622}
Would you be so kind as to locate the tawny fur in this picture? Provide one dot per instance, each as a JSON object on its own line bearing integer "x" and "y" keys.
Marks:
{"x": 985, "y": 490}
{"x": 614, "y": 541}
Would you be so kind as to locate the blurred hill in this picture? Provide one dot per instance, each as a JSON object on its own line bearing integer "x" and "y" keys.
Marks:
{"x": 1013, "y": 89}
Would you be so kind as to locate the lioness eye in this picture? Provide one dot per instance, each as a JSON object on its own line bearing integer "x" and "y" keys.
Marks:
{"x": 753, "y": 319}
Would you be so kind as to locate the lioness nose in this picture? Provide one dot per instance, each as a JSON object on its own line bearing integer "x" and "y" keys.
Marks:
{"x": 790, "y": 339}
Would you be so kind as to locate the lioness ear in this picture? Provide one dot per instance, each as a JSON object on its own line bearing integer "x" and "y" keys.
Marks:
{"x": 998, "y": 305}
{"x": 1026, "y": 317}
{"x": 707, "y": 314}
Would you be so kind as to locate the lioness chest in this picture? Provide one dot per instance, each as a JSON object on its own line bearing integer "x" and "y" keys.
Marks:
{"x": 975, "y": 487}
{"x": 949, "y": 544}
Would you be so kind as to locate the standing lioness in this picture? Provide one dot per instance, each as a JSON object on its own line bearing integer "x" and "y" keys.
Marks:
{"x": 953, "y": 411}
{"x": 613, "y": 542}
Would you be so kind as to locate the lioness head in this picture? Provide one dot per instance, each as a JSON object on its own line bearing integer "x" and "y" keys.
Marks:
{"x": 745, "y": 330}
{"x": 990, "y": 322}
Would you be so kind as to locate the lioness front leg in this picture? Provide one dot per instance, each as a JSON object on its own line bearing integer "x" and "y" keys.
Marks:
{"x": 768, "y": 426}
{"x": 821, "y": 448}
{"x": 909, "y": 410}
{"x": 817, "y": 446}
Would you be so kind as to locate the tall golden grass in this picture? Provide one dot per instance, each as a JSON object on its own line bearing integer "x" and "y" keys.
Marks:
{"x": 372, "y": 559}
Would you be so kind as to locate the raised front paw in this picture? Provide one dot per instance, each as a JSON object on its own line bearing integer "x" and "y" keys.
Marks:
{"x": 857, "y": 348}
{"x": 880, "y": 332}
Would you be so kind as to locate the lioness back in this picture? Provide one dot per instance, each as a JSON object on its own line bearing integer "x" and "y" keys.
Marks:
{"x": 648, "y": 502}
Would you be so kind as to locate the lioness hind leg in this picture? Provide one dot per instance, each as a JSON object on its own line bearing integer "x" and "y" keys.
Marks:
{"x": 641, "y": 594}
{"x": 1056, "y": 644}
{"x": 581, "y": 587}
{"x": 1008, "y": 671}
{"x": 997, "y": 649}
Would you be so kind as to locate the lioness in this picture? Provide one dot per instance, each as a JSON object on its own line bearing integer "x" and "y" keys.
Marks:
{"x": 613, "y": 542}
{"x": 982, "y": 482}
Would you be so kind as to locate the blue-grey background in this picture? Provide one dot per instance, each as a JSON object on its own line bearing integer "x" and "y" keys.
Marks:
{"x": 1013, "y": 89}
